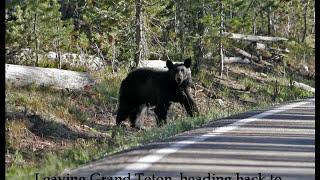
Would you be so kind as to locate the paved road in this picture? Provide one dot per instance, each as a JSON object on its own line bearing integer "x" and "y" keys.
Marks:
{"x": 272, "y": 144}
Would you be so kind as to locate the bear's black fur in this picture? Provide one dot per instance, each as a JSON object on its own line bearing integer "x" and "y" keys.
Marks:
{"x": 150, "y": 87}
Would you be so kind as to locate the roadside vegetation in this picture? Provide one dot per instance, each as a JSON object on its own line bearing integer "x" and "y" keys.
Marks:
{"x": 50, "y": 130}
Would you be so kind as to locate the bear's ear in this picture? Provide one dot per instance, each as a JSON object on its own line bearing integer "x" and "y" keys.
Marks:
{"x": 187, "y": 63}
{"x": 169, "y": 64}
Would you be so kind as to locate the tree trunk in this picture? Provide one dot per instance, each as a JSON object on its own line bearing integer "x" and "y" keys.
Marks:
{"x": 254, "y": 25}
{"x": 199, "y": 49}
{"x": 58, "y": 48}
{"x": 269, "y": 22}
{"x": 59, "y": 57}
{"x": 314, "y": 19}
{"x": 221, "y": 32}
{"x": 179, "y": 28}
{"x": 36, "y": 39}
{"x": 113, "y": 57}
{"x": 140, "y": 49}
{"x": 288, "y": 27}
{"x": 306, "y": 2}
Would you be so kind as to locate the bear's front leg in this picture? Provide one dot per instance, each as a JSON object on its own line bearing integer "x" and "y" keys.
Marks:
{"x": 188, "y": 103}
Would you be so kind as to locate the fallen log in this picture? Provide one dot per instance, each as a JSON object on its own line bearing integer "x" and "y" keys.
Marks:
{"x": 233, "y": 85}
{"x": 262, "y": 66}
{"x": 303, "y": 86}
{"x": 260, "y": 77}
{"x": 19, "y": 75}
{"x": 253, "y": 38}
{"x": 246, "y": 54}
{"x": 158, "y": 64}
{"x": 265, "y": 63}
{"x": 229, "y": 60}
{"x": 260, "y": 46}
{"x": 278, "y": 50}
{"x": 247, "y": 100}
{"x": 208, "y": 92}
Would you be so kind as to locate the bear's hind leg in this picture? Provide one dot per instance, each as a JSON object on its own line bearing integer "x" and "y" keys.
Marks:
{"x": 122, "y": 115}
{"x": 136, "y": 116}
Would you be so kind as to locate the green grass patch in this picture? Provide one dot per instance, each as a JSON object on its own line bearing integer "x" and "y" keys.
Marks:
{"x": 80, "y": 115}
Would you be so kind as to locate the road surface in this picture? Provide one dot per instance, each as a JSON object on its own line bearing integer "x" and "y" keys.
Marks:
{"x": 273, "y": 144}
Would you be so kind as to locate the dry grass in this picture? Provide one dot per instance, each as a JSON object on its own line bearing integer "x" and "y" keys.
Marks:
{"x": 50, "y": 130}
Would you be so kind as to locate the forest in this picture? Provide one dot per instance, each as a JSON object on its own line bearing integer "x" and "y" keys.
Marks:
{"x": 65, "y": 61}
{"x": 120, "y": 31}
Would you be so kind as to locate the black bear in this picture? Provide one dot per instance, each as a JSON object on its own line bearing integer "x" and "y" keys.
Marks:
{"x": 151, "y": 87}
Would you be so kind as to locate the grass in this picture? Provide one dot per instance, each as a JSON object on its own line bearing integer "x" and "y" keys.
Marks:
{"x": 78, "y": 127}
{"x": 54, "y": 64}
{"x": 85, "y": 151}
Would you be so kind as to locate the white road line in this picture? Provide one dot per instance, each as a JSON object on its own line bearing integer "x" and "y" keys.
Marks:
{"x": 146, "y": 161}
{"x": 297, "y": 115}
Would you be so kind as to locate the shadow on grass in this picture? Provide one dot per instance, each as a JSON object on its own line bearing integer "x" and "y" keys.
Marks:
{"x": 52, "y": 129}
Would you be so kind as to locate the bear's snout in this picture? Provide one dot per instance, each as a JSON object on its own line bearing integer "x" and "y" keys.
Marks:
{"x": 178, "y": 79}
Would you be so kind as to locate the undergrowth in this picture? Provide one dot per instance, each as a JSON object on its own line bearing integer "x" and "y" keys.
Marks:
{"x": 48, "y": 131}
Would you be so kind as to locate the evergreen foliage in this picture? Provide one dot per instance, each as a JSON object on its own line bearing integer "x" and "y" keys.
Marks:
{"x": 172, "y": 29}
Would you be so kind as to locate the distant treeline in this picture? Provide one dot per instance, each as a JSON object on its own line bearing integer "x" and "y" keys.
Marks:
{"x": 133, "y": 30}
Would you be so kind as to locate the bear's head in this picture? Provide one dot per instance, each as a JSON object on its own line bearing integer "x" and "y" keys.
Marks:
{"x": 181, "y": 72}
